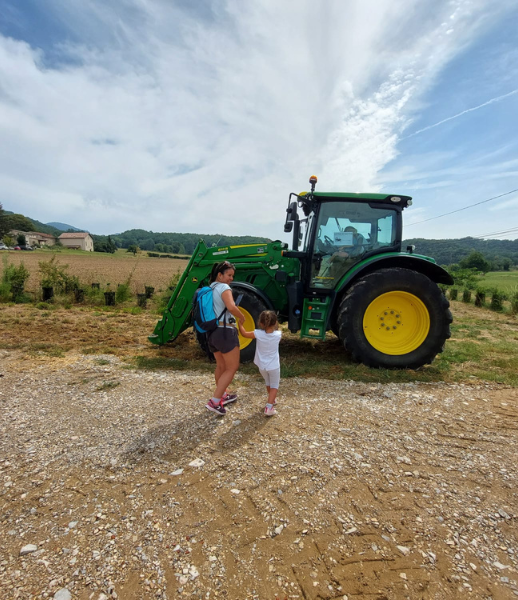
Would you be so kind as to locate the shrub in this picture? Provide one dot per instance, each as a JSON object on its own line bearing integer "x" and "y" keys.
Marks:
{"x": 123, "y": 292}
{"x": 94, "y": 295}
{"x": 467, "y": 278}
{"x": 466, "y": 296}
{"x": 54, "y": 275}
{"x": 13, "y": 282}
{"x": 453, "y": 293}
{"x": 496, "y": 300}
{"x": 44, "y": 306}
{"x": 514, "y": 304}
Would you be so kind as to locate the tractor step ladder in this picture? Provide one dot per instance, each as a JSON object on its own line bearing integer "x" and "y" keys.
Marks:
{"x": 315, "y": 318}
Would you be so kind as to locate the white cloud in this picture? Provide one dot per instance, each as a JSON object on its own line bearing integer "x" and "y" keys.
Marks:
{"x": 168, "y": 119}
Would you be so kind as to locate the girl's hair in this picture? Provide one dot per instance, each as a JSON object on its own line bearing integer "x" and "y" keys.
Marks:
{"x": 267, "y": 319}
{"x": 220, "y": 268}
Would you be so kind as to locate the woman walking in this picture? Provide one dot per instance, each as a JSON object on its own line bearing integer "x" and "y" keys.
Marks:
{"x": 224, "y": 341}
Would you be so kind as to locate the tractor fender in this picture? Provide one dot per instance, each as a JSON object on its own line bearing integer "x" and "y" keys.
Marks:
{"x": 404, "y": 261}
{"x": 237, "y": 285}
{"x": 384, "y": 261}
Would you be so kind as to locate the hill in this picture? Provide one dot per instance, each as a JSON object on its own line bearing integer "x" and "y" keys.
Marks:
{"x": 63, "y": 227}
{"x": 447, "y": 252}
{"x": 11, "y": 220}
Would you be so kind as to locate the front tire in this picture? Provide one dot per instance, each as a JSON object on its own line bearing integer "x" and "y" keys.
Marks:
{"x": 251, "y": 306}
{"x": 394, "y": 319}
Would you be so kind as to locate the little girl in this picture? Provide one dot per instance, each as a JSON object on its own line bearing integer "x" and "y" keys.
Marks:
{"x": 267, "y": 355}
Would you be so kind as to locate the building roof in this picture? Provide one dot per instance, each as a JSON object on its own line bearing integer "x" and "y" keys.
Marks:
{"x": 44, "y": 235}
{"x": 81, "y": 235}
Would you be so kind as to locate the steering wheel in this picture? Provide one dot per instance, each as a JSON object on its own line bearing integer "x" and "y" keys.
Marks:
{"x": 328, "y": 244}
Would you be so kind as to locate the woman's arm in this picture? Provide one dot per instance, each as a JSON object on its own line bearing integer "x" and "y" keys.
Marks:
{"x": 247, "y": 334}
{"x": 228, "y": 299}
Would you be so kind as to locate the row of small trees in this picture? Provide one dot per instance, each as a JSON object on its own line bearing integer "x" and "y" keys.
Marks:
{"x": 57, "y": 285}
{"x": 491, "y": 298}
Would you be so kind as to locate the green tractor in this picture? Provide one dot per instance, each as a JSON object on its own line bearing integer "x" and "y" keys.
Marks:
{"x": 345, "y": 273}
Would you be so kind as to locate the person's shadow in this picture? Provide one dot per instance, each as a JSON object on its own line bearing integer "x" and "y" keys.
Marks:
{"x": 177, "y": 440}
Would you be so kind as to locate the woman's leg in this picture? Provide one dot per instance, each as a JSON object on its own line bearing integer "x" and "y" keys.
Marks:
{"x": 220, "y": 366}
{"x": 230, "y": 364}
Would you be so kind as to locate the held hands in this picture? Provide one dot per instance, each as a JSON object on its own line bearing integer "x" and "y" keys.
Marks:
{"x": 247, "y": 334}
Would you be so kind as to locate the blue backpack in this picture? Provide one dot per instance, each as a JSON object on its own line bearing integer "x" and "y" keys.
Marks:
{"x": 205, "y": 319}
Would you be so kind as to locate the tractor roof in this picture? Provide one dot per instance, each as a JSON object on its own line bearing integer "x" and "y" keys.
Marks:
{"x": 393, "y": 199}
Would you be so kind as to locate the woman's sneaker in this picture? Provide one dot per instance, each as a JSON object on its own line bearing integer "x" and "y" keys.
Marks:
{"x": 228, "y": 398}
{"x": 269, "y": 410}
{"x": 216, "y": 408}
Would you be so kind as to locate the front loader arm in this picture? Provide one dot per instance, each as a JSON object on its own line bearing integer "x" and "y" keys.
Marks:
{"x": 261, "y": 260}
{"x": 177, "y": 316}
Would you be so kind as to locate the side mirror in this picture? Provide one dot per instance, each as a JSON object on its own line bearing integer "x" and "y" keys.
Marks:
{"x": 292, "y": 212}
{"x": 288, "y": 226}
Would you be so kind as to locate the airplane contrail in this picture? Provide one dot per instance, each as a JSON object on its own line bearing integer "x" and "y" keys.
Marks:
{"x": 497, "y": 99}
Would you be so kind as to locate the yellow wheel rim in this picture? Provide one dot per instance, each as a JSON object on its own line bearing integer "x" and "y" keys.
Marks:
{"x": 249, "y": 326}
{"x": 396, "y": 323}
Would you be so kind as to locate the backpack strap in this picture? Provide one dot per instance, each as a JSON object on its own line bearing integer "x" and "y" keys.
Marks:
{"x": 224, "y": 310}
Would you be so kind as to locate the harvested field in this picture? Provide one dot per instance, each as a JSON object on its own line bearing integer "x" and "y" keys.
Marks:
{"x": 95, "y": 267}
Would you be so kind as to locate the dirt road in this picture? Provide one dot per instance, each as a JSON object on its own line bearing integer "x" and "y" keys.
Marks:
{"x": 117, "y": 483}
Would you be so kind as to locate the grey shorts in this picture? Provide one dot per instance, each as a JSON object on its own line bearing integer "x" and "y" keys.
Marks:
{"x": 271, "y": 378}
{"x": 223, "y": 339}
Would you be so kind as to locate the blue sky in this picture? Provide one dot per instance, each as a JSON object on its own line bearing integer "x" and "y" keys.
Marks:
{"x": 202, "y": 116}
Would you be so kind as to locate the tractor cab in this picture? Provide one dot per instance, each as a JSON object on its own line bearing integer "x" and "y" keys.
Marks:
{"x": 335, "y": 231}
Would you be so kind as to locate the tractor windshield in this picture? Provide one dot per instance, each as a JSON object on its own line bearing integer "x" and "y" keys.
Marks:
{"x": 345, "y": 232}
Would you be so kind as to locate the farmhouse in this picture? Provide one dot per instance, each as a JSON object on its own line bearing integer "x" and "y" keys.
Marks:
{"x": 77, "y": 241}
{"x": 34, "y": 238}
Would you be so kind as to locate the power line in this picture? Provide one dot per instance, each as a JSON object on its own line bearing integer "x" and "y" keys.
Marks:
{"x": 461, "y": 209}
{"x": 486, "y": 235}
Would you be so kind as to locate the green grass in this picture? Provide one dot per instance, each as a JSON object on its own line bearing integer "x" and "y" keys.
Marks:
{"x": 506, "y": 281}
{"x": 162, "y": 363}
{"x": 47, "y": 350}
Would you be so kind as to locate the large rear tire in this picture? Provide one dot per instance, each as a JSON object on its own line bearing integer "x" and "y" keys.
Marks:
{"x": 394, "y": 319}
{"x": 251, "y": 306}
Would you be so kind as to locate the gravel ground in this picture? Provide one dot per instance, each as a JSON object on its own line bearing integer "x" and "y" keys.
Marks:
{"x": 117, "y": 483}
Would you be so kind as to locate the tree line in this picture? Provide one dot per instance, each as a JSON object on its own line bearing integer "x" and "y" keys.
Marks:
{"x": 499, "y": 254}
{"x": 175, "y": 243}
